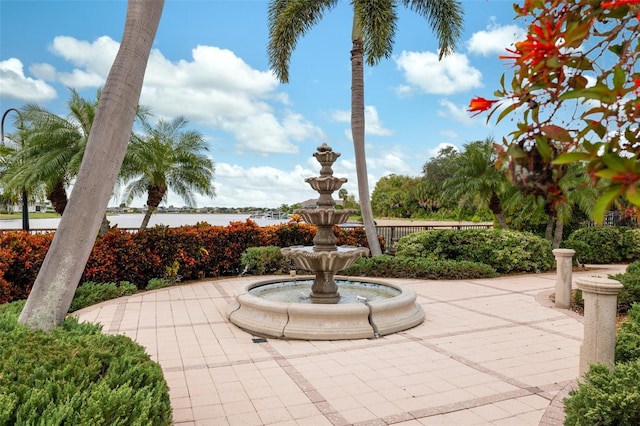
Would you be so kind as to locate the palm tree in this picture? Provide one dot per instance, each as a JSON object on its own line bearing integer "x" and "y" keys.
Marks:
{"x": 53, "y": 148}
{"x": 62, "y": 268}
{"x": 476, "y": 181}
{"x": 374, "y": 25}
{"x": 167, "y": 158}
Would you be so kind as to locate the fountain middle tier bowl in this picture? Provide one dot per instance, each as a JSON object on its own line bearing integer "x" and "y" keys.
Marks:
{"x": 325, "y": 216}
{"x": 280, "y": 308}
{"x": 305, "y": 257}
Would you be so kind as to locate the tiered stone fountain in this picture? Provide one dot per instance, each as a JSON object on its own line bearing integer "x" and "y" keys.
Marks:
{"x": 325, "y": 308}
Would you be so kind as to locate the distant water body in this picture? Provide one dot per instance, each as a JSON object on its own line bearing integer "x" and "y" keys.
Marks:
{"x": 134, "y": 220}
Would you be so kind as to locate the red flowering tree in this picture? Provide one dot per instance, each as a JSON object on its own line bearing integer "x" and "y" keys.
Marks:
{"x": 574, "y": 97}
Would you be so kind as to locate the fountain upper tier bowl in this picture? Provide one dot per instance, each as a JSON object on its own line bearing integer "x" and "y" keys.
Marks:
{"x": 392, "y": 309}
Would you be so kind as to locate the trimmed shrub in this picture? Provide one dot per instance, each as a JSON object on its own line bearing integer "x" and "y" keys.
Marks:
{"x": 606, "y": 397}
{"x": 76, "y": 375}
{"x": 504, "y": 250}
{"x": 630, "y": 292}
{"x": 156, "y": 283}
{"x": 406, "y": 267}
{"x": 21, "y": 256}
{"x": 91, "y": 293}
{"x": 628, "y": 337}
{"x": 264, "y": 260}
{"x": 605, "y": 244}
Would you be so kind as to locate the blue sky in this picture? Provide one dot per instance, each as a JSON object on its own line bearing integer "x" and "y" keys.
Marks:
{"x": 209, "y": 63}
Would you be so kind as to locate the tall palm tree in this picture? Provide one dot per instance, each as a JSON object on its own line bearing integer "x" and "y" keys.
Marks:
{"x": 374, "y": 25}
{"x": 53, "y": 148}
{"x": 167, "y": 158}
{"x": 476, "y": 181}
{"x": 62, "y": 268}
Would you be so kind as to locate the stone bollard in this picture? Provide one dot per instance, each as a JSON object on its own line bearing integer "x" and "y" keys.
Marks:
{"x": 600, "y": 307}
{"x": 564, "y": 267}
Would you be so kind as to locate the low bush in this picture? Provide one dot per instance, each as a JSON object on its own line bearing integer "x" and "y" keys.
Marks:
{"x": 628, "y": 337}
{"x": 605, "y": 244}
{"x": 91, "y": 293}
{"x": 504, "y": 250}
{"x": 606, "y": 397}
{"x": 406, "y": 267}
{"x": 264, "y": 260}
{"x": 76, "y": 375}
{"x": 630, "y": 292}
{"x": 157, "y": 283}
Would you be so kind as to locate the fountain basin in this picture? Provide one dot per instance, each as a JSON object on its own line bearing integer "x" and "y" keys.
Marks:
{"x": 305, "y": 257}
{"x": 393, "y": 312}
{"x": 325, "y": 216}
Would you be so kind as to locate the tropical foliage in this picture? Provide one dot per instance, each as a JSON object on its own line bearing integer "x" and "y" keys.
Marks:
{"x": 575, "y": 96}
{"x": 167, "y": 157}
{"x": 373, "y": 31}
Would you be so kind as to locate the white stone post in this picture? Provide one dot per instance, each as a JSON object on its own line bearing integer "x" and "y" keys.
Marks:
{"x": 600, "y": 307}
{"x": 564, "y": 268}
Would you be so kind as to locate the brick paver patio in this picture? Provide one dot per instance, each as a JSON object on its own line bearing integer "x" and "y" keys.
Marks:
{"x": 490, "y": 352}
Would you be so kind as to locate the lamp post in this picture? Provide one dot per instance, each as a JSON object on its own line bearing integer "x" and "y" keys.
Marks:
{"x": 25, "y": 201}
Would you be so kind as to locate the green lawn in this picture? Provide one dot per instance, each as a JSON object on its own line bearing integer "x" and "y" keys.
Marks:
{"x": 38, "y": 215}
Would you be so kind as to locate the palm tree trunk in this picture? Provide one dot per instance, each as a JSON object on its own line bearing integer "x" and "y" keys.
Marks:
{"x": 548, "y": 233}
{"x": 65, "y": 261}
{"x": 147, "y": 217}
{"x": 557, "y": 236}
{"x": 104, "y": 226}
{"x": 496, "y": 207}
{"x": 155, "y": 194}
{"x": 58, "y": 197}
{"x": 357, "y": 131}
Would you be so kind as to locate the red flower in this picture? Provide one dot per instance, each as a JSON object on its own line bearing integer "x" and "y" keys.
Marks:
{"x": 540, "y": 45}
{"x": 479, "y": 104}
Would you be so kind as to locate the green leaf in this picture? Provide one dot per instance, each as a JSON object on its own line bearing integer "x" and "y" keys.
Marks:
{"x": 543, "y": 148}
{"x": 615, "y": 162}
{"x": 633, "y": 195}
{"x": 571, "y": 157}
{"x": 599, "y": 92}
{"x": 556, "y": 133}
{"x": 616, "y": 49}
{"x": 504, "y": 112}
{"x": 607, "y": 173}
{"x": 602, "y": 204}
{"x": 619, "y": 77}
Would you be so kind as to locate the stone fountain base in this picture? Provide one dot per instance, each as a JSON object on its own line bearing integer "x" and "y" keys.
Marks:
{"x": 311, "y": 321}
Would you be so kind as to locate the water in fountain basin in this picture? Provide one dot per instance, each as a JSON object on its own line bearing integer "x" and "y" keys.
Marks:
{"x": 298, "y": 291}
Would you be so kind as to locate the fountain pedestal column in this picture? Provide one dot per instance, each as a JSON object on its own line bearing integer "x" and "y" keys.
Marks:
{"x": 324, "y": 259}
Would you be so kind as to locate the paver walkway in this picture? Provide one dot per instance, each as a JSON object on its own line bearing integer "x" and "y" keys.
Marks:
{"x": 490, "y": 352}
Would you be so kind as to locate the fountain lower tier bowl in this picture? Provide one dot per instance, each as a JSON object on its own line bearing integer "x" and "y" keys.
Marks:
{"x": 367, "y": 309}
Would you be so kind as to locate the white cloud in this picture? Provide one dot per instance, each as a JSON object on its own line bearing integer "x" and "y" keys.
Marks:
{"x": 372, "y": 123}
{"x": 424, "y": 72}
{"x": 495, "y": 39}
{"x": 450, "y": 134}
{"x": 256, "y": 186}
{"x": 454, "y": 112}
{"x": 95, "y": 58}
{"x": 14, "y": 84}
{"x": 214, "y": 88}
{"x": 433, "y": 152}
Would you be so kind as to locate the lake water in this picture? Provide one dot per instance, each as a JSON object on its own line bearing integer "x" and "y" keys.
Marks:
{"x": 134, "y": 220}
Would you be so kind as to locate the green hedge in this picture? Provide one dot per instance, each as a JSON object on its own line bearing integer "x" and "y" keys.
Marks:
{"x": 630, "y": 281}
{"x": 605, "y": 244}
{"x": 504, "y": 250}
{"x": 189, "y": 252}
{"x": 76, "y": 375}
{"x": 628, "y": 337}
{"x": 606, "y": 397}
{"x": 406, "y": 267}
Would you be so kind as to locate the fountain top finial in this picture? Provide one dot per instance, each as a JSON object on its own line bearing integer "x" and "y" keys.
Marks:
{"x": 324, "y": 148}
